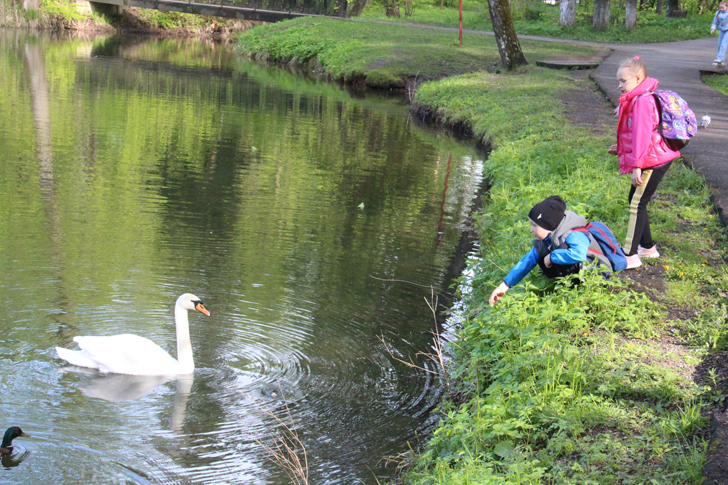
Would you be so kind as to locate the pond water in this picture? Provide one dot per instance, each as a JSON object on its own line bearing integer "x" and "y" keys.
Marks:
{"x": 313, "y": 223}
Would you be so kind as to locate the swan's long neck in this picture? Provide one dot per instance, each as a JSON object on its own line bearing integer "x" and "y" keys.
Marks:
{"x": 184, "y": 346}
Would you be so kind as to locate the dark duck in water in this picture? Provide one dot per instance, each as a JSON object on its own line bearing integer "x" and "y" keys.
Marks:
{"x": 7, "y": 446}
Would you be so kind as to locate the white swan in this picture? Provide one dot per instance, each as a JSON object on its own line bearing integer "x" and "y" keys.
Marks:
{"x": 131, "y": 354}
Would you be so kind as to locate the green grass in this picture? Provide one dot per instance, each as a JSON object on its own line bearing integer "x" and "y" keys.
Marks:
{"x": 569, "y": 384}
{"x": 535, "y": 18}
{"x": 175, "y": 20}
{"x": 64, "y": 9}
{"x": 718, "y": 82}
{"x": 384, "y": 56}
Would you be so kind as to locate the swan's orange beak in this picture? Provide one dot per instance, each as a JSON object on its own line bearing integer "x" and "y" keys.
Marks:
{"x": 201, "y": 308}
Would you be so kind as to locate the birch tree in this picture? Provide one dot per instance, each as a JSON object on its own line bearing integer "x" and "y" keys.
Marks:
{"x": 567, "y": 13}
{"x": 601, "y": 15}
{"x": 630, "y": 16}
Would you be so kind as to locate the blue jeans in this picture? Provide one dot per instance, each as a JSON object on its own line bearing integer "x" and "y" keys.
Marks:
{"x": 722, "y": 45}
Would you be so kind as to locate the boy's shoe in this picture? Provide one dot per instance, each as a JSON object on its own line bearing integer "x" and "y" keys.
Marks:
{"x": 648, "y": 253}
{"x": 633, "y": 262}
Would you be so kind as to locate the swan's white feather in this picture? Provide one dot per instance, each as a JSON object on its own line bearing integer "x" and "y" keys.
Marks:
{"x": 126, "y": 354}
{"x": 135, "y": 355}
{"x": 76, "y": 357}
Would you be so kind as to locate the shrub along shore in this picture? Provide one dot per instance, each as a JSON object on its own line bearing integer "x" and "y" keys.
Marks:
{"x": 64, "y": 15}
{"x": 605, "y": 382}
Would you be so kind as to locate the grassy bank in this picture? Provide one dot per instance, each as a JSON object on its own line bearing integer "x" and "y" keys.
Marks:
{"x": 378, "y": 55}
{"x": 605, "y": 382}
{"x": 538, "y": 18}
{"x": 67, "y": 15}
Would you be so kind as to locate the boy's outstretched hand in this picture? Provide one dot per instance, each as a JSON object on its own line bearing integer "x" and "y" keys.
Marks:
{"x": 498, "y": 293}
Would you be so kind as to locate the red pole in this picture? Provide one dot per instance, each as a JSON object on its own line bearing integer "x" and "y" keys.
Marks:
{"x": 461, "y": 22}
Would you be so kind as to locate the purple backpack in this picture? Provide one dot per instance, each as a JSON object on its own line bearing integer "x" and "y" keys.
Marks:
{"x": 677, "y": 121}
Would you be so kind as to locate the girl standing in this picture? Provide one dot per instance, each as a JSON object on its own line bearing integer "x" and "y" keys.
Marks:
{"x": 720, "y": 22}
{"x": 642, "y": 152}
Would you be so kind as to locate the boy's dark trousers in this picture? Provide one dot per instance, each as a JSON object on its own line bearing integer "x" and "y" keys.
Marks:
{"x": 556, "y": 270}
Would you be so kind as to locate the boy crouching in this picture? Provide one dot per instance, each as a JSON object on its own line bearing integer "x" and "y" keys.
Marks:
{"x": 560, "y": 247}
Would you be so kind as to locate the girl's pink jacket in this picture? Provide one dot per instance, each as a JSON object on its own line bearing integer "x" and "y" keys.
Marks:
{"x": 639, "y": 144}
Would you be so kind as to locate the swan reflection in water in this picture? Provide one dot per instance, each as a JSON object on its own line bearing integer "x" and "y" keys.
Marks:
{"x": 125, "y": 387}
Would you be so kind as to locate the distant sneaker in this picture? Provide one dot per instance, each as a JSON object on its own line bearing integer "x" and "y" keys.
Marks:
{"x": 648, "y": 253}
{"x": 633, "y": 262}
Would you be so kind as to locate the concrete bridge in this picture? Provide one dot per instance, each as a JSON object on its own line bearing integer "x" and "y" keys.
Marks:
{"x": 259, "y": 10}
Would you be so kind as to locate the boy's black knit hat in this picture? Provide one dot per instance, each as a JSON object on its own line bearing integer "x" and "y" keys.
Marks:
{"x": 548, "y": 213}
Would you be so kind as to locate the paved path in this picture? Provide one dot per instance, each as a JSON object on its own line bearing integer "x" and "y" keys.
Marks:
{"x": 678, "y": 67}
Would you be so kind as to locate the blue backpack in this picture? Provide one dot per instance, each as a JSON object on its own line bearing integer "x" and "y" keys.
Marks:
{"x": 606, "y": 240}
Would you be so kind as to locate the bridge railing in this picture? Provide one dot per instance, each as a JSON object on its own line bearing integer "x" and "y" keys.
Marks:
{"x": 310, "y": 7}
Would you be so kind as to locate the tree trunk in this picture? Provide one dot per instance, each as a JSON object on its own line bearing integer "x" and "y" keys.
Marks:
{"x": 341, "y": 8}
{"x": 505, "y": 34}
{"x": 601, "y": 15}
{"x": 660, "y": 4}
{"x": 630, "y": 16}
{"x": 357, "y": 7}
{"x": 392, "y": 8}
{"x": 567, "y": 13}
{"x": 672, "y": 5}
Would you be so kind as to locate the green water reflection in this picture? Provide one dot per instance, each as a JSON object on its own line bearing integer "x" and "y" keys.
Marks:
{"x": 138, "y": 169}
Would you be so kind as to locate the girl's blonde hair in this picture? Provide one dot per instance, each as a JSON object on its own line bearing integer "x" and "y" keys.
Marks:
{"x": 636, "y": 65}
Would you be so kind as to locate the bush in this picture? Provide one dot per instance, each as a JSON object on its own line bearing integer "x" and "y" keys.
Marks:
{"x": 64, "y": 9}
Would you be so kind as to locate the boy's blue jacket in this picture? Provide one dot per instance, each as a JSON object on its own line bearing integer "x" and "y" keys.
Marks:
{"x": 720, "y": 22}
{"x": 576, "y": 253}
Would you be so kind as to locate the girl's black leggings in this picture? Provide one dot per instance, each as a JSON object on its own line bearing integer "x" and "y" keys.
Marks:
{"x": 638, "y": 228}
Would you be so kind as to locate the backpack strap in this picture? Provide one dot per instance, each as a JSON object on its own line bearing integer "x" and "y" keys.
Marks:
{"x": 614, "y": 249}
{"x": 584, "y": 229}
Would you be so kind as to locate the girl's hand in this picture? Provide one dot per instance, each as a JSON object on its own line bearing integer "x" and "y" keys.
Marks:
{"x": 612, "y": 150}
{"x": 498, "y": 293}
{"x": 547, "y": 261}
{"x": 712, "y": 31}
{"x": 637, "y": 177}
